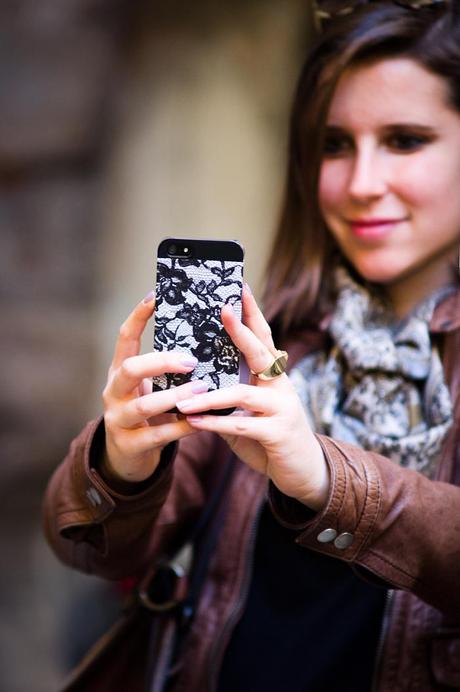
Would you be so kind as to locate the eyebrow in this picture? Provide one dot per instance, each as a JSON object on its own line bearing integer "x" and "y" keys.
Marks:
{"x": 427, "y": 129}
{"x": 418, "y": 127}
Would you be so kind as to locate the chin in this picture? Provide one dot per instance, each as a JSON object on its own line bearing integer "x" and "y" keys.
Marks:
{"x": 378, "y": 272}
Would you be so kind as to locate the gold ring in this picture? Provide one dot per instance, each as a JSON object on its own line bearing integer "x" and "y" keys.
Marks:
{"x": 275, "y": 369}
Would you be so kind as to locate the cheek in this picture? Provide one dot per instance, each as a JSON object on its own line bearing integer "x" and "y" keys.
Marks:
{"x": 433, "y": 206}
{"x": 427, "y": 185}
{"x": 331, "y": 189}
{"x": 414, "y": 187}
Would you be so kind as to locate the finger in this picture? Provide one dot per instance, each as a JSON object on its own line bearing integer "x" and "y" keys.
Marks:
{"x": 140, "y": 440}
{"x": 133, "y": 370}
{"x": 258, "y": 429}
{"x": 129, "y": 338}
{"x": 253, "y": 399}
{"x": 133, "y": 412}
{"x": 255, "y": 320}
{"x": 257, "y": 353}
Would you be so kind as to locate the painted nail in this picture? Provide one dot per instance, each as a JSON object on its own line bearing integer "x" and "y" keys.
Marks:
{"x": 189, "y": 362}
{"x": 198, "y": 386}
{"x": 149, "y": 297}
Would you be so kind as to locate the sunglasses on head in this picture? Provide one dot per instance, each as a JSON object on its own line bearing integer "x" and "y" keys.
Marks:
{"x": 332, "y": 9}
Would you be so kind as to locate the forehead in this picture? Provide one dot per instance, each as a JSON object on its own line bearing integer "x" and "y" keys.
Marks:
{"x": 389, "y": 90}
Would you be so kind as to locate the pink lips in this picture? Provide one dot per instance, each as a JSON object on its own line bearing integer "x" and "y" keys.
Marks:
{"x": 373, "y": 229}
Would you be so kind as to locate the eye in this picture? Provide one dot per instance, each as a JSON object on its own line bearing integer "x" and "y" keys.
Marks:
{"x": 336, "y": 144}
{"x": 407, "y": 142}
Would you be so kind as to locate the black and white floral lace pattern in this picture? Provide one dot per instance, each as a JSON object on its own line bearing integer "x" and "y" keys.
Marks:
{"x": 190, "y": 294}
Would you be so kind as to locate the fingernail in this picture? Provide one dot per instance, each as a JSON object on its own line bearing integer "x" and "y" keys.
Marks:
{"x": 189, "y": 362}
{"x": 195, "y": 419}
{"x": 248, "y": 288}
{"x": 149, "y": 297}
{"x": 198, "y": 386}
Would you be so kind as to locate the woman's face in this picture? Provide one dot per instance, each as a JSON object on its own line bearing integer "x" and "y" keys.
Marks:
{"x": 390, "y": 177}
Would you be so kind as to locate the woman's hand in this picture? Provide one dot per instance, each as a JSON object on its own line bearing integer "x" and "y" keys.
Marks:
{"x": 271, "y": 433}
{"x": 136, "y": 420}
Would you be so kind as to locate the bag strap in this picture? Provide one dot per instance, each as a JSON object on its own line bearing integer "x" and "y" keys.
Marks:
{"x": 175, "y": 615}
{"x": 207, "y": 530}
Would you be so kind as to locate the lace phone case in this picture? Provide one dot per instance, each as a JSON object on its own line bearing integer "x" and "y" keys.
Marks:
{"x": 195, "y": 278}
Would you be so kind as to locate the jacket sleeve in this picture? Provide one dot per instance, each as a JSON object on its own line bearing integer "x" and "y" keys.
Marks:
{"x": 394, "y": 525}
{"x": 97, "y": 530}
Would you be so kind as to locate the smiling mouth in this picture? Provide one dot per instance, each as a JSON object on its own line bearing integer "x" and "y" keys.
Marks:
{"x": 373, "y": 228}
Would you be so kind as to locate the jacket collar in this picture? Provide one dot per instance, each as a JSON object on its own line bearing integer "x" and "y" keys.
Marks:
{"x": 445, "y": 319}
{"x": 446, "y": 316}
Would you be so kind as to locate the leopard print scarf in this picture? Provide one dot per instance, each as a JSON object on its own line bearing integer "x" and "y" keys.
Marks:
{"x": 381, "y": 387}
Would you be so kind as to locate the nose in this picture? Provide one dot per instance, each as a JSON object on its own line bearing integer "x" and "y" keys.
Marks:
{"x": 367, "y": 176}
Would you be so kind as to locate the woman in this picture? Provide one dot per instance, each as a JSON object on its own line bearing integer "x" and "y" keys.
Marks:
{"x": 347, "y": 579}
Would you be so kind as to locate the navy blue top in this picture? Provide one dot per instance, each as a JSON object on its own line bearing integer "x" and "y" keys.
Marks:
{"x": 310, "y": 624}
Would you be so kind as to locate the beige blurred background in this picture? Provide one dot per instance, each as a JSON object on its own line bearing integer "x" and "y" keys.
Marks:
{"x": 121, "y": 122}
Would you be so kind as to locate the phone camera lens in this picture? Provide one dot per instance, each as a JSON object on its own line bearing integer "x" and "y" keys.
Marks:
{"x": 172, "y": 249}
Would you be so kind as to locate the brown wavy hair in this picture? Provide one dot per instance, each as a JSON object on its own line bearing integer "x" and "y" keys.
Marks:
{"x": 304, "y": 253}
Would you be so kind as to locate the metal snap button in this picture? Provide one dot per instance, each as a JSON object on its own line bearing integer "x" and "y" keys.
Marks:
{"x": 94, "y": 497}
{"x": 344, "y": 540}
{"x": 326, "y": 536}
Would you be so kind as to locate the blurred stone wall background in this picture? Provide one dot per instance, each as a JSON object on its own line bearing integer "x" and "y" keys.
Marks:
{"x": 121, "y": 122}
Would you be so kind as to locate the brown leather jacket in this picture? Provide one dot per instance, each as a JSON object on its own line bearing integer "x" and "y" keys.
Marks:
{"x": 405, "y": 529}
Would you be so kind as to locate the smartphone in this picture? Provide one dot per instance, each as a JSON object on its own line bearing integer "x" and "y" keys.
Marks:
{"x": 194, "y": 280}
